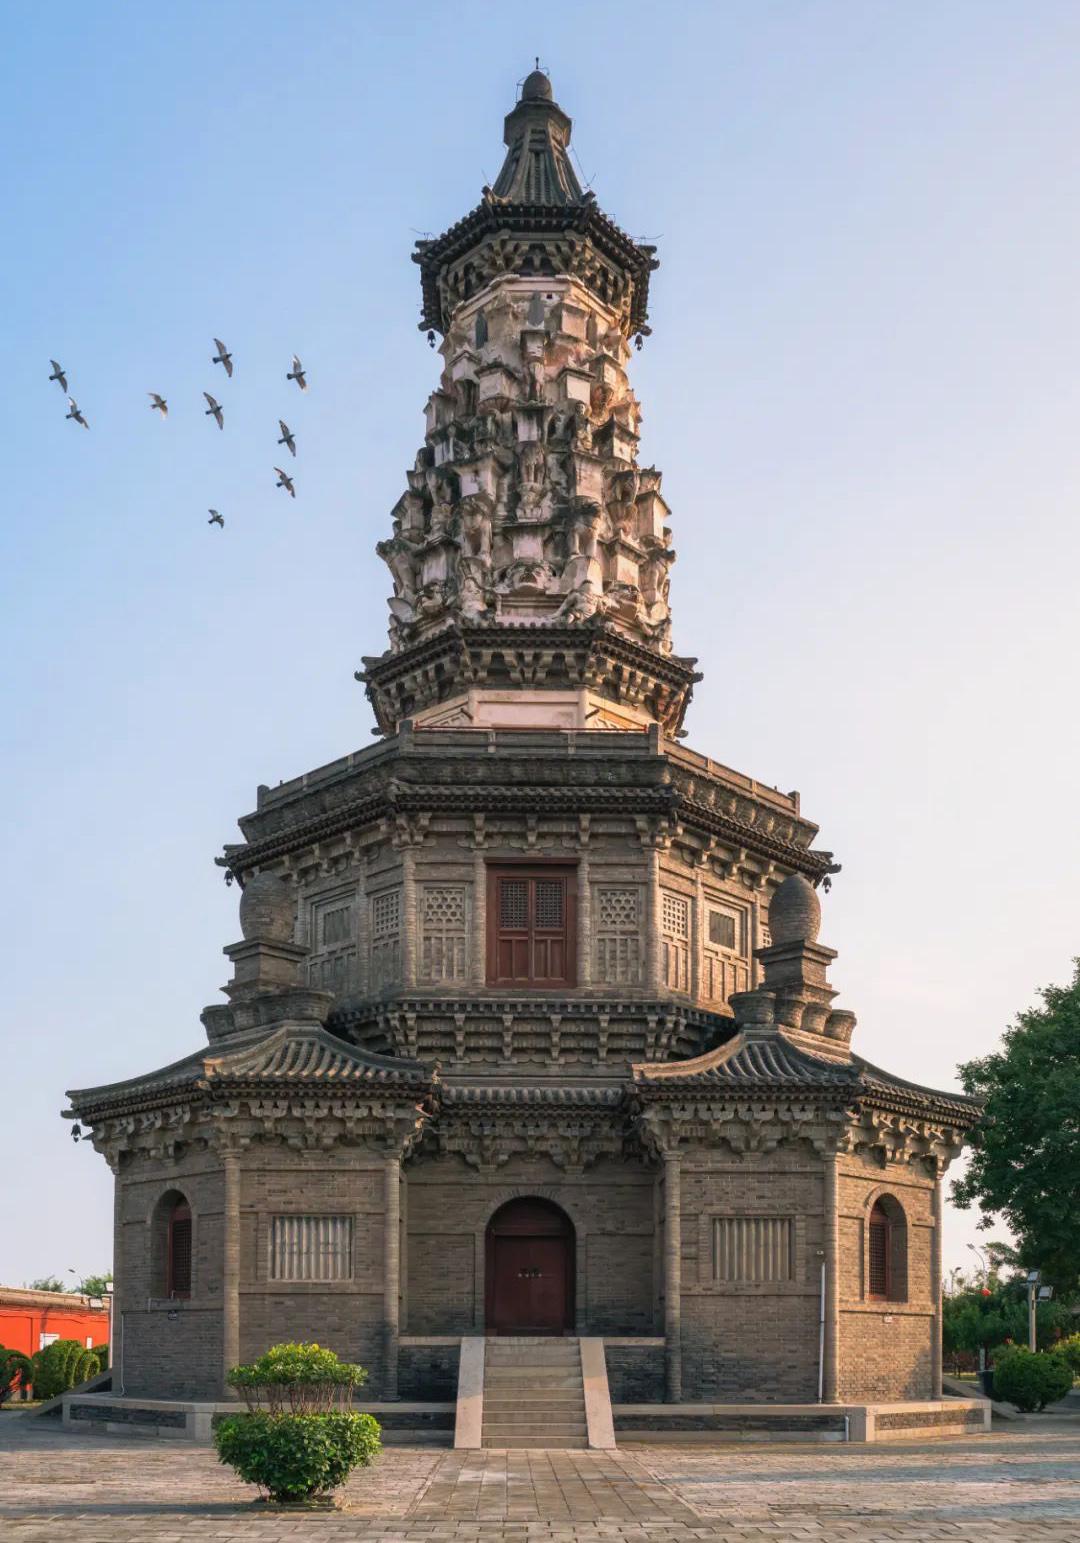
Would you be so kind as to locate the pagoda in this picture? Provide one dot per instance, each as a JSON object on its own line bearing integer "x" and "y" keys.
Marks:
{"x": 530, "y": 1033}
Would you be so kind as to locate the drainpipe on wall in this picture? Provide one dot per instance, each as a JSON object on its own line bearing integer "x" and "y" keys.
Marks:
{"x": 821, "y": 1341}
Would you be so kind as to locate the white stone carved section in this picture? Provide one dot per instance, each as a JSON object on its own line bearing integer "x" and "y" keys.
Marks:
{"x": 311, "y": 1248}
{"x": 444, "y": 935}
{"x": 753, "y": 1250}
{"x": 619, "y": 949}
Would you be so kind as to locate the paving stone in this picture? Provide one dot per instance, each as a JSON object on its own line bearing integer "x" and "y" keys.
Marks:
{"x": 1010, "y": 1488}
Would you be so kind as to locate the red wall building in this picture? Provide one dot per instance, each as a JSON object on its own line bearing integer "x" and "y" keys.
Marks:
{"x": 29, "y": 1320}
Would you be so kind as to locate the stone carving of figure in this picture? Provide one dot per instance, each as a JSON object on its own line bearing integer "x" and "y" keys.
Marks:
{"x": 622, "y": 505}
{"x": 399, "y": 555}
{"x": 442, "y": 503}
{"x": 532, "y": 472}
{"x": 582, "y": 576}
{"x": 581, "y": 430}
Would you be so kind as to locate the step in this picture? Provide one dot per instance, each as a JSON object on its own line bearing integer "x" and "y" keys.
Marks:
{"x": 556, "y": 1435}
{"x": 535, "y": 1358}
{"x": 542, "y": 1402}
{"x": 538, "y": 1443}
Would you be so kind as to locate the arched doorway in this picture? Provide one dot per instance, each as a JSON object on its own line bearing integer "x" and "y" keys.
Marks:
{"x": 529, "y": 1256}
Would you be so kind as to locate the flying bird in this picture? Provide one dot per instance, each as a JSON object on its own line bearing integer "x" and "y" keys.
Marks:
{"x": 287, "y": 436}
{"x": 215, "y": 519}
{"x": 298, "y": 374}
{"x": 75, "y": 413}
{"x": 222, "y": 356}
{"x": 159, "y": 404}
{"x": 58, "y": 374}
{"x": 285, "y": 481}
{"x": 215, "y": 409}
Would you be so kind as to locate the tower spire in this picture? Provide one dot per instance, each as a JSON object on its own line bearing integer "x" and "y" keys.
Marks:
{"x": 537, "y": 167}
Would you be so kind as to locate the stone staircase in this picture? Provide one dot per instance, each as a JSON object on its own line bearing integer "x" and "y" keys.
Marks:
{"x": 534, "y": 1394}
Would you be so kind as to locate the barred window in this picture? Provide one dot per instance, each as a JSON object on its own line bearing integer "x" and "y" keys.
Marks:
{"x": 443, "y": 933}
{"x": 311, "y": 1247}
{"x": 385, "y": 939}
{"x": 885, "y": 1265}
{"x": 178, "y": 1261}
{"x": 617, "y": 929}
{"x": 675, "y": 930}
{"x": 753, "y": 1249}
{"x": 725, "y": 963}
{"x": 337, "y": 925}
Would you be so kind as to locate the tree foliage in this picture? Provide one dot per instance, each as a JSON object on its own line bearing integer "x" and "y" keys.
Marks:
{"x": 47, "y": 1283}
{"x": 1025, "y": 1150}
{"x": 62, "y": 1365}
{"x": 988, "y": 1317}
{"x": 308, "y": 1378}
{"x": 294, "y": 1456}
{"x": 94, "y": 1285}
{"x": 1031, "y": 1381}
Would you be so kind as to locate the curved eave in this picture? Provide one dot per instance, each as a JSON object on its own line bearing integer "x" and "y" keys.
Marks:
{"x": 493, "y": 216}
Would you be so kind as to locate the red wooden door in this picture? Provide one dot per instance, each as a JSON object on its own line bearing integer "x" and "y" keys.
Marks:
{"x": 530, "y": 1270}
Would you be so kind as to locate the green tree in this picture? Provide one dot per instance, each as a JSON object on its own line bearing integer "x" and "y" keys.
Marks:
{"x": 1025, "y": 1150}
{"x": 15, "y": 1372}
{"x": 46, "y": 1283}
{"x": 94, "y": 1285}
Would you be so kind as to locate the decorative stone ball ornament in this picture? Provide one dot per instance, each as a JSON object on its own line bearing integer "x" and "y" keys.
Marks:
{"x": 266, "y": 910}
{"x": 795, "y": 912}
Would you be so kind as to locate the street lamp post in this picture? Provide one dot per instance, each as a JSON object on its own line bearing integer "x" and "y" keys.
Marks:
{"x": 1033, "y": 1278}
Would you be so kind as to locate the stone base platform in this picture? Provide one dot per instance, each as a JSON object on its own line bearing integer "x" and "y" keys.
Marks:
{"x": 413, "y": 1424}
{"x": 403, "y": 1423}
{"x": 800, "y": 1422}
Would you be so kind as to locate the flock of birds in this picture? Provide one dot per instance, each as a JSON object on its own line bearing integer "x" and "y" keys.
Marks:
{"x": 214, "y": 410}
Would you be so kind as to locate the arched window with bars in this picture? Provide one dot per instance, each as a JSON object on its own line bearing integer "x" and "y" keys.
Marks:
{"x": 172, "y": 1249}
{"x": 886, "y": 1251}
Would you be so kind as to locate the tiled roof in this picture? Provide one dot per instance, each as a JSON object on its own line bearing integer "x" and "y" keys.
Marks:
{"x": 751, "y": 1060}
{"x": 301, "y": 1054}
{"x": 543, "y": 1097}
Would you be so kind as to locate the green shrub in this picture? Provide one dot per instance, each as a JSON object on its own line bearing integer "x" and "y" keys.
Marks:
{"x": 307, "y": 1378}
{"x": 16, "y": 1372}
{"x": 1069, "y": 1350}
{"x": 294, "y": 1456}
{"x": 1031, "y": 1380}
{"x": 62, "y": 1365}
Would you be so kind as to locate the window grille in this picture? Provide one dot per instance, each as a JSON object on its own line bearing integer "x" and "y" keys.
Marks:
{"x": 617, "y": 930}
{"x": 879, "y": 1251}
{"x": 311, "y": 1247}
{"x": 725, "y": 966}
{"x": 753, "y": 1249}
{"x": 178, "y": 1271}
{"x": 336, "y": 925}
{"x": 675, "y": 924}
{"x": 443, "y": 932}
{"x": 514, "y": 904}
{"x": 385, "y": 938}
{"x": 549, "y": 903}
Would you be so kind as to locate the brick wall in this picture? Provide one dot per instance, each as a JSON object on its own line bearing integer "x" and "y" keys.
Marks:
{"x": 448, "y": 1207}
{"x": 885, "y": 1346}
{"x": 169, "y": 1349}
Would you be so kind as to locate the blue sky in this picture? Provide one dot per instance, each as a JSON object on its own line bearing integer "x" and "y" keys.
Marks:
{"x": 862, "y": 387}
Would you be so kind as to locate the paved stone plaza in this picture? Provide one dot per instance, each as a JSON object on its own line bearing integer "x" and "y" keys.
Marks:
{"x": 96, "y": 1489}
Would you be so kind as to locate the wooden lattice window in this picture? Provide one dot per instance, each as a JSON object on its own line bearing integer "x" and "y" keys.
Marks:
{"x": 311, "y": 1247}
{"x": 178, "y": 1251}
{"x": 385, "y": 939}
{"x": 531, "y": 927}
{"x": 675, "y": 936}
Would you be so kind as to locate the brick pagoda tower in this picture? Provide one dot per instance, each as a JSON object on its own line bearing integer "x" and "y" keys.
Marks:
{"x": 530, "y": 1031}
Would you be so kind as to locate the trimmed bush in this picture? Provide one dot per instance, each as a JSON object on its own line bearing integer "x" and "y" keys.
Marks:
{"x": 307, "y": 1379}
{"x": 62, "y": 1365}
{"x": 1069, "y": 1350}
{"x": 296, "y": 1456}
{"x": 1031, "y": 1381}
